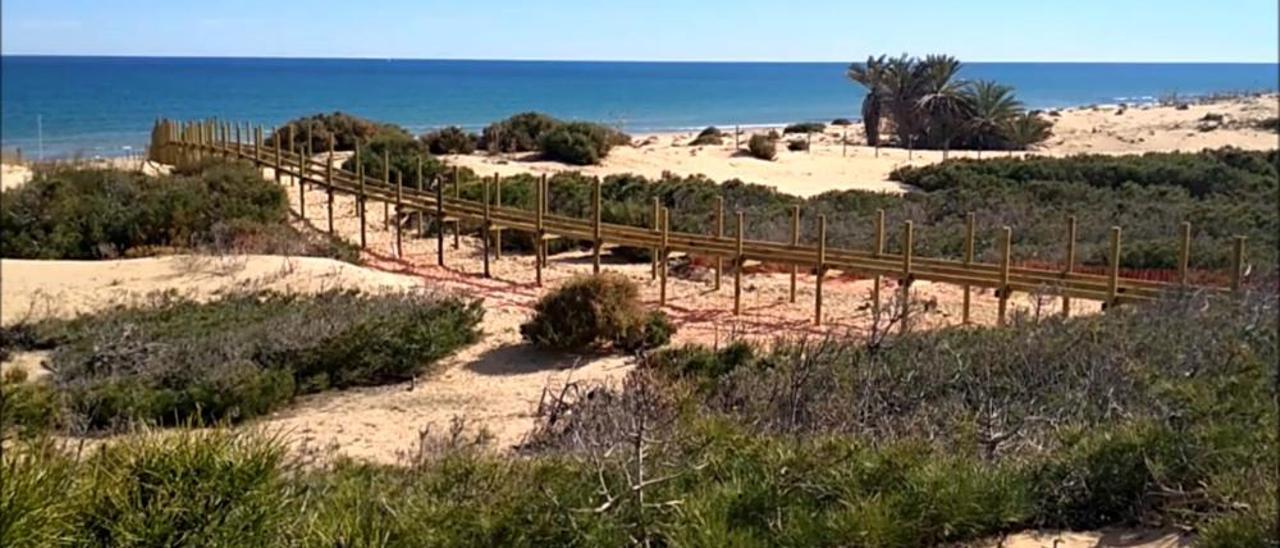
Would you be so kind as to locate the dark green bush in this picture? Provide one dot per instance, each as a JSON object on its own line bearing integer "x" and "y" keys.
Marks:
{"x": 804, "y": 127}
{"x": 709, "y": 136}
{"x": 588, "y": 312}
{"x": 575, "y": 143}
{"x": 762, "y": 147}
{"x": 344, "y": 129}
{"x": 450, "y": 140}
{"x": 28, "y": 408}
{"x": 797, "y": 145}
{"x": 404, "y": 154}
{"x": 519, "y": 133}
{"x": 174, "y": 360}
{"x": 841, "y": 122}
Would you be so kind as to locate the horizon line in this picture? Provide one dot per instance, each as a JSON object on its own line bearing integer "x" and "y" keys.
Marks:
{"x": 551, "y": 60}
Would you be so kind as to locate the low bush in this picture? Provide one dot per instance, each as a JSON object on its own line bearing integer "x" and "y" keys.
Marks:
{"x": 450, "y": 140}
{"x": 90, "y": 213}
{"x": 798, "y": 145}
{"x": 576, "y": 143}
{"x": 804, "y": 127}
{"x": 762, "y": 147}
{"x": 519, "y": 133}
{"x": 344, "y": 129}
{"x": 709, "y": 136}
{"x": 172, "y": 360}
{"x": 404, "y": 155}
{"x": 841, "y": 122}
{"x": 589, "y": 312}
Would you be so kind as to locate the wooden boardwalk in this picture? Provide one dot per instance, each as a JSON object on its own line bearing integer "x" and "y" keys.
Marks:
{"x": 176, "y": 142}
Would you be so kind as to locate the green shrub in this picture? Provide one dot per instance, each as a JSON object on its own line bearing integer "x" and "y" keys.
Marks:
{"x": 450, "y": 140}
{"x": 841, "y": 122}
{"x": 404, "y": 154}
{"x": 28, "y": 408}
{"x": 40, "y": 496}
{"x": 173, "y": 360}
{"x": 591, "y": 311}
{"x": 798, "y": 145}
{"x": 804, "y": 127}
{"x": 519, "y": 133}
{"x": 762, "y": 147}
{"x": 344, "y": 129}
{"x": 575, "y": 143}
{"x": 709, "y": 136}
{"x": 701, "y": 362}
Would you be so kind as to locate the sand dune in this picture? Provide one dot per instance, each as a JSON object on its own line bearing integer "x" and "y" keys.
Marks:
{"x": 831, "y": 166}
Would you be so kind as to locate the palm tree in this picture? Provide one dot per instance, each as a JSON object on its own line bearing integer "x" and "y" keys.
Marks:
{"x": 871, "y": 76}
{"x": 943, "y": 101}
{"x": 993, "y": 107}
{"x": 1025, "y": 131}
{"x": 903, "y": 83}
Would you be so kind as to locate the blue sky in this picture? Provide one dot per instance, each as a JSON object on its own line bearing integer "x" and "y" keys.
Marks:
{"x": 738, "y": 30}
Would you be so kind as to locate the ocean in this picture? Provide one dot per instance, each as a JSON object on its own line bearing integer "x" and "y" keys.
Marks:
{"x": 104, "y": 106}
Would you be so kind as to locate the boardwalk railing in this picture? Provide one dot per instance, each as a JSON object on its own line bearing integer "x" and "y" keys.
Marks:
{"x": 177, "y": 142}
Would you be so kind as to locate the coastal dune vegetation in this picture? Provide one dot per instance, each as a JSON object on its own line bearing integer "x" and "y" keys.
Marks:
{"x": 923, "y": 103}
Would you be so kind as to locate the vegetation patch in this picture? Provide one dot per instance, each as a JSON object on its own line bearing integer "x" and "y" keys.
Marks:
{"x": 172, "y": 360}
{"x": 804, "y": 127}
{"x": 345, "y": 131}
{"x": 450, "y": 140}
{"x": 575, "y": 143}
{"x": 589, "y": 312}
{"x": 762, "y": 147}
{"x": 91, "y": 213}
{"x": 709, "y": 136}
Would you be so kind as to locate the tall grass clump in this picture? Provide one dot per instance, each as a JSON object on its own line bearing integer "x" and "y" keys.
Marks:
{"x": 172, "y": 360}
{"x": 588, "y": 312}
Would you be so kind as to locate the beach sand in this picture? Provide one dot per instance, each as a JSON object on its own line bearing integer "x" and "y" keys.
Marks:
{"x": 497, "y": 383}
{"x": 831, "y": 166}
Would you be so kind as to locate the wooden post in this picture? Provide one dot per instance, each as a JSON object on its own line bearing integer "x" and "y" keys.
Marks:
{"x": 360, "y": 200}
{"x": 386, "y": 183}
{"x": 719, "y": 234}
{"x": 595, "y": 231}
{"x": 844, "y": 141}
{"x": 908, "y": 245}
{"x": 1113, "y": 285}
{"x": 1237, "y": 265}
{"x": 970, "y": 227}
{"x": 328, "y": 177}
{"x": 662, "y": 261}
{"x": 439, "y": 222}
{"x": 876, "y": 280}
{"x": 657, "y": 229}
{"x": 484, "y": 234}
{"x": 1070, "y": 262}
{"x": 276, "y": 168}
{"x": 539, "y": 233}
{"x": 497, "y": 203}
{"x": 399, "y": 211}
{"x": 821, "y": 269}
{"x": 738, "y": 264}
{"x": 257, "y": 143}
{"x": 457, "y": 195}
{"x": 1184, "y": 258}
{"x": 302, "y": 189}
{"x": 737, "y": 130}
{"x": 1006, "y": 252}
{"x": 795, "y": 242}
{"x": 238, "y": 147}
{"x": 542, "y": 211}
{"x": 417, "y": 185}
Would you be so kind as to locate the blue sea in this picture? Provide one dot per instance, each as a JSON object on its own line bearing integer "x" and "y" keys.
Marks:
{"x": 105, "y": 105}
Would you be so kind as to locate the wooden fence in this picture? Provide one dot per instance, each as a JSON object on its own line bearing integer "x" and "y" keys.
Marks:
{"x": 177, "y": 142}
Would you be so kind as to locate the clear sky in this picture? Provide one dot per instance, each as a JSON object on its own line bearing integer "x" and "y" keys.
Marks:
{"x": 737, "y": 30}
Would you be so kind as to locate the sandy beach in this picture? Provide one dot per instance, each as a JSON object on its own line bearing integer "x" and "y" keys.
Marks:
{"x": 829, "y": 165}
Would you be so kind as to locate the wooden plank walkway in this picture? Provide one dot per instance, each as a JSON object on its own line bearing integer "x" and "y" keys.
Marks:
{"x": 176, "y": 142}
